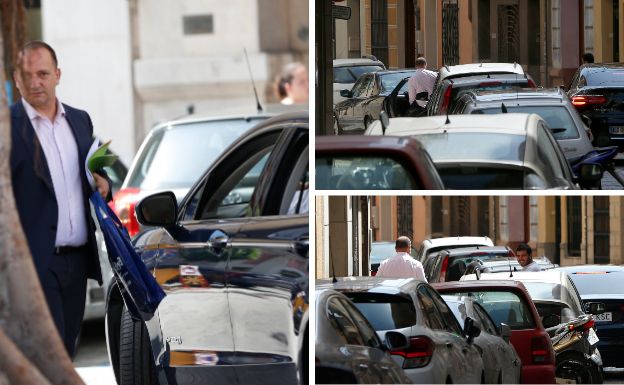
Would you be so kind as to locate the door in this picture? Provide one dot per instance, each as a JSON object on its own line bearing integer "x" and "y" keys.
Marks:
{"x": 505, "y": 31}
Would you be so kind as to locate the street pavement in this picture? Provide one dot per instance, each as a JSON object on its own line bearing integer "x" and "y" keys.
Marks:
{"x": 91, "y": 360}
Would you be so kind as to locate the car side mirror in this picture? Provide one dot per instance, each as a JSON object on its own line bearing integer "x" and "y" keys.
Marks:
{"x": 159, "y": 209}
{"x": 594, "y": 308}
{"x": 396, "y": 341}
{"x": 471, "y": 331}
{"x": 346, "y": 94}
{"x": 505, "y": 331}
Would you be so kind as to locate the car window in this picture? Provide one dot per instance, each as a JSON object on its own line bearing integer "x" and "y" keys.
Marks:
{"x": 194, "y": 146}
{"x": 605, "y": 77}
{"x": 599, "y": 282}
{"x": 429, "y": 265}
{"x": 358, "y": 71}
{"x": 431, "y": 314}
{"x": 486, "y": 321}
{"x": 474, "y": 145}
{"x": 554, "y": 292}
{"x": 227, "y": 191}
{"x": 502, "y": 306}
{"x": 359, "y": 89}
{"x": 348, "y": 172}
{"x": 296, "y": 192}
{"x": 367, "y": 332}
{"x": 343, "y": 75}
{"x": 547, "y": 156}
{"x": 342, "y": 323}
{"x": 556, "y": 116}
{"x": 451, "y": 324}
{"x": 385, "y": 312}
{"x": 389, "y": 81}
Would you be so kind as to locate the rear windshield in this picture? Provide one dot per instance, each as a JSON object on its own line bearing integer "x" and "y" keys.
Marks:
{"x": 391, "y": 80}
{"x": 599, "y": 282}
{"x": 177, "y": 156}
{"x": 384, "y": 311}
{"x": 502, "y": 306}
{"x": 605, "y": 77}
{"x": 555, "y": 116}
{"x": 490, "y": 146}
{"x": 467, "y": 177}
{"x": 351, "y": 74}
{"x": 547, "y": 291}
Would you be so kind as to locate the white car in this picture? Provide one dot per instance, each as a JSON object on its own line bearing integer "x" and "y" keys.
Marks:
{"x": 433, "y": 245}
{"x": 347, "y": 72}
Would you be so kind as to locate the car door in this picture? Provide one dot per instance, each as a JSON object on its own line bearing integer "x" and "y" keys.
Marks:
{"x": 353, "y": 119}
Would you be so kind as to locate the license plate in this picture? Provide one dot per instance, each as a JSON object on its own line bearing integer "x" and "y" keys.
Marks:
{"x": 616, "y": 130}
{"x": 592, "y": 337}
{"x": 604, "y": 317}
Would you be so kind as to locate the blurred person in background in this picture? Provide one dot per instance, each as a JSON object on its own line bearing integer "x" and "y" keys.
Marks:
{"x": 292, "y": 84}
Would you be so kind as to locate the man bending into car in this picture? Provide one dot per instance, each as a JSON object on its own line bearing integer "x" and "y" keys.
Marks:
{"x": 402, "y": 265}
{"x": 523, "y": 255}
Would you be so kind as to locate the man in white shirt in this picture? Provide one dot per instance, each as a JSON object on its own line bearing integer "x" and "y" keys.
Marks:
{"x": 402, "y": 265}
{"x": 422, "y": 81}
{"x": 523, "y": 255}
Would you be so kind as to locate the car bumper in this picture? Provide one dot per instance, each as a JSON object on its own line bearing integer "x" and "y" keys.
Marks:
{"x": 538, "y": 374}
{"x": 266, "y": 374}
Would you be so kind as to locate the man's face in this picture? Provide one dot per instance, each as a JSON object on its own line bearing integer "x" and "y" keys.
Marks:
{"x": 523, "y": 257}
{"x": 298, "y": 89}
{"x": 37, "y": 78}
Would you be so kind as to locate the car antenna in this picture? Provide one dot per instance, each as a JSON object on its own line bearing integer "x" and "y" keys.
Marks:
{"x": 509, "y": 262}
{"x": 503, "y": 108}
{"x": 334, "y": 280}
{"x": 258, "y": 105}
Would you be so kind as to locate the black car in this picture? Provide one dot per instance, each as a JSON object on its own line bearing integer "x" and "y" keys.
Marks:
{"x": 365, "y": 100}
{"x": 450, "y": 265}
{"x": 233, "y": 262}
{"x": 597, "y": 91}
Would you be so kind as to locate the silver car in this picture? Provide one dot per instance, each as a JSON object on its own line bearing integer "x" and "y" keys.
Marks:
{"x": 347, "y": 349}
{"x": 440, "y": 350}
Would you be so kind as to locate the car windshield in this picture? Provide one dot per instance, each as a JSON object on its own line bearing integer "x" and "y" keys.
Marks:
{"x": 557, "y": 117}
{"x": 502, "y": 306}
{"x": 362, "y": 173}
{"x": 468, "y": 177}
{"x": 598, "y": 282}
{"x": 348, "y": 75}
{"x": 605, "y": 77}
{"x": 176, "y": 156}
{"x": 385, "y": 312}
{"x": 489, "y": 146}
{"x": 390, "y": 80}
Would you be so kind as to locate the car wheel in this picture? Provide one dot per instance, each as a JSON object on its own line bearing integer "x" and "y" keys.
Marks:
{"x": 136, "y": 363}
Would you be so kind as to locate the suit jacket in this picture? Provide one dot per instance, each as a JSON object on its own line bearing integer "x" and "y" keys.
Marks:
{"x": 34, "y": 192}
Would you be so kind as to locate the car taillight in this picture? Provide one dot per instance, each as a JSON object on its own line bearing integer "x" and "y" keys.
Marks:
{"x": 587, "y": 100}
{"x": 541, "y": 350}
{"x": 446, "y": 100}
{"x": 373, "y": 273}
{"x": 489, "y": 84}
{"x": 531, "y": 83}
{"x": 444, "y": 268}
{"x": 418, "y": 354}
{"x": 123, "y": 205}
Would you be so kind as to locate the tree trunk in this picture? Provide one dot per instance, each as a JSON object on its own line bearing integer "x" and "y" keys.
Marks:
{"x": 30, "y": 347}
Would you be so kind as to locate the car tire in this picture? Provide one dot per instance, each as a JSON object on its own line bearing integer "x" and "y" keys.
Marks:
{"x": 136, "y": 363}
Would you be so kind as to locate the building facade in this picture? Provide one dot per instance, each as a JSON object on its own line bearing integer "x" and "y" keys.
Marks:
{"x": 569, "y": 230}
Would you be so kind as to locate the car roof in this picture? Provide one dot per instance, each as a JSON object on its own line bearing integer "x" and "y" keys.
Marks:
{"x": 495, "y": 77}
{"x": 370, "y": 284}
{"x": 171, "y": 124}
{"x": 614, "y": 66}
{"x": 556, "y": 94}
{"x": 482, "y": 284}
{"x": 479, "y": 68}
{"x": 442, "y": 241}
{"x": 476, "y": 249}
{"x": 361, "y": 143}
{"x": 592, "y": 268}
{"x": 547, "y": 276}
{"x": 356, "y": 62}
{"x": 512, "y": 123}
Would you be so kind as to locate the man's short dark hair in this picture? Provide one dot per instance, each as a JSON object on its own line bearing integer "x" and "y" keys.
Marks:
{"x": 588, "y": 57}
{"x": 36, "y": 44}
{"x": 525, "y": 247}
{"x": 421, "y": 61}
{"x": 402, "y": 242}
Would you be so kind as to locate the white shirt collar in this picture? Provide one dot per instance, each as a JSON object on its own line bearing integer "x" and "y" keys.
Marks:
{"x": 34, "y": 114}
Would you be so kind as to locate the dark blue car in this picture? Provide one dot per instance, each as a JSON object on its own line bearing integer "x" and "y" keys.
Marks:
{"x": 603, "y": 284}
{"x": 232, "y": 259}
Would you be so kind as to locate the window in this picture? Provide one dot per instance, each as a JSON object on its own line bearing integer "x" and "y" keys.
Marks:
{"x": 385, "y": 312}
{"x": 379, "y": 29}
{"x": 547, "y": 156}
{"x": 197, "y": 24}
{"x": 359, "y": 89}
{"x": 449, "y": 319}
{"x": 486, "y": 321}
{"x": 366, "y": 331}
{"x": 575, "y": 225}
{"x": 601, "y": 229}
{"x": 342, "y": 323}
{"x": 432, "y": 316}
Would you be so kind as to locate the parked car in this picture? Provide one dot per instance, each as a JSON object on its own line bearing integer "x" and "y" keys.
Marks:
{"x": 347, "y": 349}
{"x": 450, "y": 265}
{"x": 597, "y": 91}
{"x": 603, "y": 284}
{"x": 506, "y": 265}
{"x": 173, "y": 155}
{"x": 441, "y": 351}
{"x": 380, "y": 251}
{"x": 432, "y": 245}
{"x": 233, "y": 261}
{"x": 510, "y": 151}
{"x": 441, "y": 96}
{"x": 508, "y": 302}
{"x": 557, "y": 301}
{"x": 374, "y": 163}
{"x": 348, "y": 71}
{"x": 500, "y": 360}
{"x": 364, "y": 101}
{"x": 552, "y": 105}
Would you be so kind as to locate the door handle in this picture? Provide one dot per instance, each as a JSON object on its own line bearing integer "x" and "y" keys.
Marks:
{"x": 218, "y": 239}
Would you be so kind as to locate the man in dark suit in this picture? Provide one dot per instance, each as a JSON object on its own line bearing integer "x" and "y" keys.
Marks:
{"x": 50, "y": 142}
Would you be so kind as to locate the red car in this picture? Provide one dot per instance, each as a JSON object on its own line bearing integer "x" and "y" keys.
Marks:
{"x": 374, "y": 163}
{"x": 509, "y": 302}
